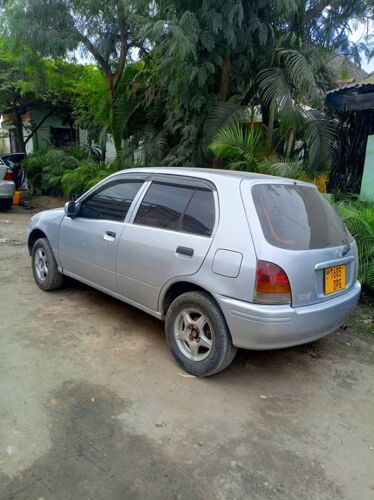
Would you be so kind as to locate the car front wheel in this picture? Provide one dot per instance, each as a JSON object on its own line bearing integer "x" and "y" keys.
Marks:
{"x": 44, "y": 266}
{"x": 197, "y": 334}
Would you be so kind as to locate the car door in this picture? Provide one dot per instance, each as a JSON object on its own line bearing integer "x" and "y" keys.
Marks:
{"x": 169, "y": 237}
{"x": 88, "y": 242}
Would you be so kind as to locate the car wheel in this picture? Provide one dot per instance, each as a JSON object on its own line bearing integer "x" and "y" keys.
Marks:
{"x": 7, "y": 204}
{"x": 197, "y": 334}
{"x": 44, "y": 266}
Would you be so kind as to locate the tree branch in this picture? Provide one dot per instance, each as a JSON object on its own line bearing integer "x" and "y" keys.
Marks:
{"x": 91, "y": 48}
{"x": 37, "y": 127}
{"x": 312, "y": 13}
{"x": 123, "y": 46}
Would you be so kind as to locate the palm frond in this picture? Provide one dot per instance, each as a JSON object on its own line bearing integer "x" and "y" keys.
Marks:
{"x": 242, "y": 147}
{"x": 359, "y": 218}
{"x": 290, "y": 170}
{"x": 321, "y": 139}
{"x": 222, "y": 115}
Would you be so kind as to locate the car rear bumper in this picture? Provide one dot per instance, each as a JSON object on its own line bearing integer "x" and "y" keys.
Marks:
{"x": 255, "y": 326}
{"x": 7, "y": 189}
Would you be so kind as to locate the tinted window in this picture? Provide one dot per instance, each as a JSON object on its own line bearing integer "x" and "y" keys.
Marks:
{"x": 163, "y": 205}
{"x": 297, "y": 217}
{"x": 13, "y": 158}
{"x": 110, "y": 203}
{"x": 199, "y": 216}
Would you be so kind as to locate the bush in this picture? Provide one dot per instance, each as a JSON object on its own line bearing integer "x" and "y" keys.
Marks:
{"x": 57, "y": 172}
{"x": 85, "y": 176}
{"x": 46, "y": 168}
{"x": 359, "y": 218}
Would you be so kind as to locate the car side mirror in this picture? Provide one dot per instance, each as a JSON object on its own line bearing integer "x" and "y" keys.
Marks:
{"x": 70, "y": 209}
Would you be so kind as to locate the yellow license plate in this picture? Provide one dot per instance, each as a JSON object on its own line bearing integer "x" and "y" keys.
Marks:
{"x": 335, "y": 279}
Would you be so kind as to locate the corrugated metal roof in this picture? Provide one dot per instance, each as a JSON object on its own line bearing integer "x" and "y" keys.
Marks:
{"x": 366, "y": 81}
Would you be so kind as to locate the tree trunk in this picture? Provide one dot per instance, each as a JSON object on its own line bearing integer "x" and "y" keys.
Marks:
{"x": 291, "y": 139}
{"x": 269, "y": 140}
{"x": 317, "y": 10}
{"x": 117, "y": 140}
{"x": 222, "y": 96}
{"x": 20, "y": 144}
{"x": 37, "y": 127}
{"x": 225, "y": 76}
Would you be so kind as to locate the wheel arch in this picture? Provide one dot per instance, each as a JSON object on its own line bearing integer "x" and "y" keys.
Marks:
{"x": 177, "y": 288}
{"x": 33, "y": 236}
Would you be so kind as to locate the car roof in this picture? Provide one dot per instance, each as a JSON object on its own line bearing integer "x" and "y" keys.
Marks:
{"x": 208, "y": 173}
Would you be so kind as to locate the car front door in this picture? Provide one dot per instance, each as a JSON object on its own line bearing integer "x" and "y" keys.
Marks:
{"x": 168, "y": 238}
{"x": 88, "y": 242}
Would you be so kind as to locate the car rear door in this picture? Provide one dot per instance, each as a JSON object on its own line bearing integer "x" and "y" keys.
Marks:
{"x": 88, "y": 243}
{"x": 168, "y": 237}
{"x": 294, "y": 227}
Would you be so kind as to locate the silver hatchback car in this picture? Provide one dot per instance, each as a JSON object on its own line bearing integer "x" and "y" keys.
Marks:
{"x": 227, "y": 259}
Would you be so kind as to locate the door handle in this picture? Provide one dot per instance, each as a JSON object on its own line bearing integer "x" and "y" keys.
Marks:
{"x": 185, "y": 251}
{"x": 109, "y": 235}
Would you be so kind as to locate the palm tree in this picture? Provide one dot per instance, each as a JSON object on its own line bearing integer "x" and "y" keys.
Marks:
{"x": 243, "y": 147}
{"x": 359, "y": 218}
{"x": 286, "y": 88}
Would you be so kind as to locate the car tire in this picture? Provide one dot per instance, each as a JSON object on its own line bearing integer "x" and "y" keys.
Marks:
{"x": 44, "y": 266}
{"x": 7, "y": 204}
{"x": 197, "y": 334}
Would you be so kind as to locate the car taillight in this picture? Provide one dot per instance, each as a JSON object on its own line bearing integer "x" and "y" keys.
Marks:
{"x": 9, "y": 176}
{"x": 272, "y": 285}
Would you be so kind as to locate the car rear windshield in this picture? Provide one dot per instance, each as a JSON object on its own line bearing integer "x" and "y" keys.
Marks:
{"x": 297, "y": 217}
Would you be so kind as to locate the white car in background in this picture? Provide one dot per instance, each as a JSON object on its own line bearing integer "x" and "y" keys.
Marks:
{"x": 7, "y": 184}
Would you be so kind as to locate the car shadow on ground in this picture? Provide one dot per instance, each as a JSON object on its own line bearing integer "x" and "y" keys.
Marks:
{"x": 267, "y": 361}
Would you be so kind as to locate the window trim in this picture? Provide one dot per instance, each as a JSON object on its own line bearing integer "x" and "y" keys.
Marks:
{"x": 184, "y": 181}
{"x": 104, "y": 185}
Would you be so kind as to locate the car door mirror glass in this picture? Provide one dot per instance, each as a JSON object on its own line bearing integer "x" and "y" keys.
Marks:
{"x": 70, "y": 209}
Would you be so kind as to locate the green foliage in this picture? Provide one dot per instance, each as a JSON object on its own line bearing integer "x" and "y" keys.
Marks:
{"x": 200, "y": 64}
{"x": 241, "y": 146}
{"x": 126, "y": 103}
{"x": 320, "y": 137}
{"x": 44, "y": 84}
{"x": 91, "y": 100}
{"x": 46, "y": 168}
{"x": 85, "y": 176}
{"x": 106, "y": 31}
{"x": 359, "y": 217}
{"x": 57, "y": 172}
{"x": 221, "y": 116}
{"x": 288, "y": 169}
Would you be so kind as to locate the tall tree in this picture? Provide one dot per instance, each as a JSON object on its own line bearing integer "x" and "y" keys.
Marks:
{"x": 105, "y": 30}
{"x": 24, "y": 87}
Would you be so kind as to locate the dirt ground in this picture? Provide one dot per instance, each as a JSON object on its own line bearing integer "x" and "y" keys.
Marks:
{"x": 92, "y": 405}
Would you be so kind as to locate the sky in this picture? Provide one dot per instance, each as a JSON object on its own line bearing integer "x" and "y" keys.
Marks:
{"x": 358, "y": 34}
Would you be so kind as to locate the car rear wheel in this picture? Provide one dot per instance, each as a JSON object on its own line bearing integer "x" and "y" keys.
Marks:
{"x": 44, "y": 266}
{"x": 6, "y": 204}
{"x": 197, "y": 334}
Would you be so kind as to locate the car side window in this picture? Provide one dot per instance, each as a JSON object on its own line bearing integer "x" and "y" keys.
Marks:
{"x": 182, "y": 208}
{"x": 163, "y": 205}
{"x": 111, "y": 202}
{"x": 199, "y": 216}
